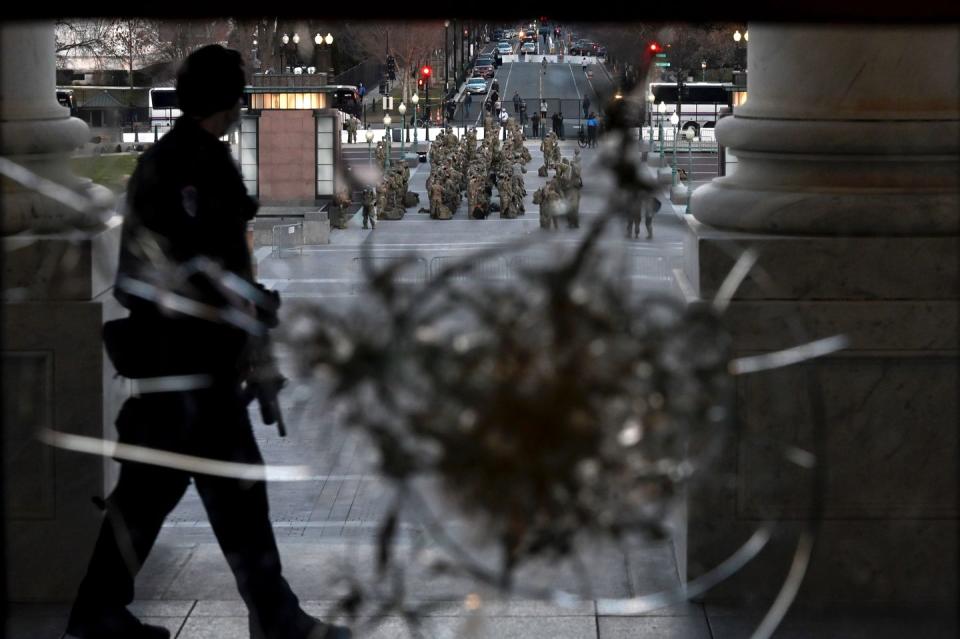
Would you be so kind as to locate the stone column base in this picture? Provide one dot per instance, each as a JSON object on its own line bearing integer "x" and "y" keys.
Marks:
{"x": 57, "y": 376}
{"x": 889, "y": 525}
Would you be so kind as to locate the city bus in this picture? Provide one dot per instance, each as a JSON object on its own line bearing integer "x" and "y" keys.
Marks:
{"x": 700, "y": 105}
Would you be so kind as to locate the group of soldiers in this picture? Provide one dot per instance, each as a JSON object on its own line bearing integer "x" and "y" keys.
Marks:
{"x": 560, "y": 196}
{"x": 466, "y": 165}
{"x": 509, "y": 177}
{"x": 447, "y": 177}
{"x": 391, "y": 198}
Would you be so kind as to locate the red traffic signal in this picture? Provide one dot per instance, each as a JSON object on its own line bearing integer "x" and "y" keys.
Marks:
{"x": 425, "y": 72}
{"x": 419, "y": 82}
{"x": 655, "y": 47}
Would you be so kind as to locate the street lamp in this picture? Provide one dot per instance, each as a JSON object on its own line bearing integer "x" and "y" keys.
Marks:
{"x": 283, "y": 53}
{"x": 446, "y": 56}
{"x": 329, "y": 40}
{"x": 386, "y": 156}
{"x": 661, "y": 109}
{"x": 688, "y": 133}
{"x": 295, "y": 49}
{"x": 415, "y": 98}
{"x": 403, "y": 110}
{"x": 651, "y": 99}
{"x": 369, "y": 136}
{"x": 674, "y": 120}
{"x": 703, "y": 66}
{"x": 736, "y": 38}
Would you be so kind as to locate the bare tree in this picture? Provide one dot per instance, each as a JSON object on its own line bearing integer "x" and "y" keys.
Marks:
{"x": 411, "y": 43}
{"x": 84, "y": 40}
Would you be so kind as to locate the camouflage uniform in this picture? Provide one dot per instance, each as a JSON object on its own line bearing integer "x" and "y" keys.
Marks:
{"x": 369, "y": 207}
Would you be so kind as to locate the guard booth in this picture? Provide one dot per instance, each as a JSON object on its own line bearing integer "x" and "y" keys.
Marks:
{"x": 288, "y": 146}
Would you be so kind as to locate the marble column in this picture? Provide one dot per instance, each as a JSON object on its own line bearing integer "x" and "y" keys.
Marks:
{"x": 38, "y": 133}
{"x": 58, "y": 269}
{"x": 846, "y": 130}
{"x": 848, "y": 153}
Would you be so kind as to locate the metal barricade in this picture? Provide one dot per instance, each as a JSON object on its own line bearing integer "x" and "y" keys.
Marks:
{"x": 287, "y": 238}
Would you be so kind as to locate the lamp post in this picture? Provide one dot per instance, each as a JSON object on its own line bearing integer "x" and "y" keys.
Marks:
{"x": 295, "y": 50}
{"x": 386, "y": 156}
{"x": 650, "y": 100}
{"x": 283, "y": 52}
{"x": 369, "y": 136}
{"x": 703, "y": 67}
{"x": 415, "y": 98}
{"x": 675, "y": 121}
{"x": 446, "y": 56}
{"x": 736, "y": 38}
{"x": 403, "y": 110}
{"x": 688, "y": 133}
{"x": 661, "y": 109}
{"x": 329, "y": 40}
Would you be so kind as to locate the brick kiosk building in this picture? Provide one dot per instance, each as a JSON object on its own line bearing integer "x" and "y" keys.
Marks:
{"x": 289, "y": 142}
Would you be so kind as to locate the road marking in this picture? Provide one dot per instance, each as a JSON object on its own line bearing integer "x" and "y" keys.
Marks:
{"x": 574, "y": 78}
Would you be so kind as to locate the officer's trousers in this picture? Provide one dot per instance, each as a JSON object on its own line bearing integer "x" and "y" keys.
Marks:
{"x": 208, "y": 423}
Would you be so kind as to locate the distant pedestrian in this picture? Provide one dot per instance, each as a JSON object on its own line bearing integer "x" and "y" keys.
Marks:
{"x": 535, "y": 121}
{"x": 523, "y": 113}
{"x": 592, "y": 125}
{"x": 362, "y": 90}
{"x": 586, "y": 106}
{"x": 495, "y": 85}
{"x": 467, "y": 101}
{"x": 557, "y": 119}
{"x": 543, "y": 65}
{"x": 497, "y": 108}
{"x": 543, "y": 110}
{"x": 516, "y": 102}
{"x": 583, "y": 62}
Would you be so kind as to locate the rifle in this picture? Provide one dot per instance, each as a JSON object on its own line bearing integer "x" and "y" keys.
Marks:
{"x": 265, "y": 383}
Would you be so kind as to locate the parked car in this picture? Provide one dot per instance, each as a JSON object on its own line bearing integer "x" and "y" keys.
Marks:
{"x": 529, "y": 47}
{"x": 498, "y": 35}
{"x": 476, "y": 85}
{"x": 505, "y": 48}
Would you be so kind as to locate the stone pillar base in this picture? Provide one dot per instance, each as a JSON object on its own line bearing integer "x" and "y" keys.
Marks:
{"x": 889, "y": 525}
{"x": 56, "y": 375}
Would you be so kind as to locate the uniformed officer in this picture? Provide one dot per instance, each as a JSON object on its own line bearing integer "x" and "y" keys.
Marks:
{"x": 187, "y": 206}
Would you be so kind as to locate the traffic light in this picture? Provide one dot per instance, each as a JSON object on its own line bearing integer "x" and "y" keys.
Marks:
{"x": 425, "y": 71}
{"x": 656, "y": 54}
{"x": 420, "y": 82}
